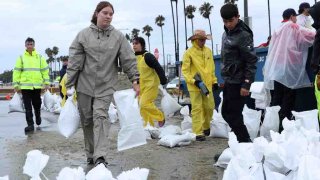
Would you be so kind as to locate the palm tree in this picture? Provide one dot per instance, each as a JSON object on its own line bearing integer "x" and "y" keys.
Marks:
{"x": 128, "y": 37}
{"x": 55, "y": 51}
{"x": 147, "y": 29}
{"x": 190, "y": 9}
{"x": 48, "y": 51}
{"x": 160, "y": 22}
{"x": 185, "y": 23}
{"x": 134, "y": 33}
{"x": 230, "y": 1}
{"x": 205, "y": 11}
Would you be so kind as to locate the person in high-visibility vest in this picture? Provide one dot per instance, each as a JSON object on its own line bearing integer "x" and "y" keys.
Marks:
{"x": 30, "y": 74}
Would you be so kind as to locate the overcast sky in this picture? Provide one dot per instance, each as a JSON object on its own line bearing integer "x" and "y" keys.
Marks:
{"x": 56, "y": 22}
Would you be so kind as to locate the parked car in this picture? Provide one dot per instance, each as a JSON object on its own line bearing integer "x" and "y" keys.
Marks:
{"x": 173, "y": 86}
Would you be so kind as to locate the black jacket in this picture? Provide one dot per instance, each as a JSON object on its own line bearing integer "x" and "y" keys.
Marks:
{"x": 315, "y": 14}
{"x": 238, "y": 56}
{"x": 63, "y": 72}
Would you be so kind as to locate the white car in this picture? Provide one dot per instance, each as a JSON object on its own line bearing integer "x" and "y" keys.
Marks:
{"x": 174, "y": 83}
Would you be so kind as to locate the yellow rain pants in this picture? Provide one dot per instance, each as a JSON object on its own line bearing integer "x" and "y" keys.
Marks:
{"x": 317, "y": 93}
{"x": 149, "y": 82}
{"x": 202, "y": 111}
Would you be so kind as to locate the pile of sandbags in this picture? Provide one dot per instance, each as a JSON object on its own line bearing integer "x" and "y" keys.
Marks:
{"x": 293, "y": 154}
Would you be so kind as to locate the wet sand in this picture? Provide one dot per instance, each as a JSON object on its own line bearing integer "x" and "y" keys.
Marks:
{"x": 189, "y": 162}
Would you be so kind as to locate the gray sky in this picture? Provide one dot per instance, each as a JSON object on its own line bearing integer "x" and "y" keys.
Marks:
{"x": 56, "y": 22}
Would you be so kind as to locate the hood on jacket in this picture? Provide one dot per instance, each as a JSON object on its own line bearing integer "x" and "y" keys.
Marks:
{"x": 315, "y": 14}
{"x": 101, "y": 31}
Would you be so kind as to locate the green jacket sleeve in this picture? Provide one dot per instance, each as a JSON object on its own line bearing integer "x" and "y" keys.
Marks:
{"x": 44, "y": 71}
{"x": 16, "y": 77}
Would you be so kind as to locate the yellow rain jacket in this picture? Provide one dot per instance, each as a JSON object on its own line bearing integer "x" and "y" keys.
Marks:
{"x": 149, "y": 82}
{"x": 198, "y": 60}
{"x": 30, "y": 71}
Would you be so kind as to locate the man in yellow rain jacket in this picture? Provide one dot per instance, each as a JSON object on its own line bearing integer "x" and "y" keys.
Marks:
{"x": 30, "y": 74}
{"x": 198, "y": 59}
{"x": 151, "y": 75}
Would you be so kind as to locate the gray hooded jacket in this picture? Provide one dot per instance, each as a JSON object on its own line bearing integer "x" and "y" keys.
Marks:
{"x": 93, "y": 61}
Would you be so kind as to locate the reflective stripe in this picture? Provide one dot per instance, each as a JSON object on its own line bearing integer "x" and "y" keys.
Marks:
{"x": 30, "y": 84}
{"x": 18, "y": 69}
{"x": 31, "y": 69}
{"x": 46, "y": 80}
{"x": 43, "y": 69}
{"x": 15, "y": 83}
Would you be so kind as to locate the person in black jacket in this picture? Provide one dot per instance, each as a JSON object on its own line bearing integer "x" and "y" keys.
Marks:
{"x": 315, "y": 14}
{"x": 151, "y": 75}
{"x": 63, "y": 72}
{"x": 238, "y": 69}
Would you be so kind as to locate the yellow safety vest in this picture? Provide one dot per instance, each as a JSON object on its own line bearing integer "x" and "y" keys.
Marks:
{"x": 30, "y": 71}
{"x": 148, "y": 76}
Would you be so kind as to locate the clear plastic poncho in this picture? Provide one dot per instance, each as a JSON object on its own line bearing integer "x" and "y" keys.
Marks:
{"x": 287, "y": 56}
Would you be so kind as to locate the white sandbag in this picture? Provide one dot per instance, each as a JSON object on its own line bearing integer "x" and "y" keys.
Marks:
{"x": 71, "y": 174}
{"x": 184, "y": 111}
{"x": 112, "y": 112}
{"x": 168, "y": 104}
{"x": 48, "y": 100}
{"x": 152, "y": 132}
{"x": 309, "y": 168}
{"x": 99, "y": 172}
{"x": 57, "y": 108}
{"x": 131, "y": 133}
{"x": 173, "y": 140}
{"x": 186, "y": 123}
{"x": 257, "y": 87}
{"x": 4, "y": 177}
{"x": 224, "y": 158}
{"x": 270, "y": 175}
{"x": 252, "y": 121}
{"x": 69, "y": 118}
{"x": 35, "y": 163}
{"x": 259, "y": 146}
{"x": 169, "y": 130}
{"x": 135, "y": 173}
{"x": 309, "y": 119}
{"x": 219, "y": 127}
{"x": 16, "y": 103}
{"x": 271, "y": 121}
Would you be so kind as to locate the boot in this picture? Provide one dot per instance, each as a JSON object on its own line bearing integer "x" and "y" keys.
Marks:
{"x": 38, "y": 117}
{"x": 29, "y": 129}
{"x": 206, "y": 132}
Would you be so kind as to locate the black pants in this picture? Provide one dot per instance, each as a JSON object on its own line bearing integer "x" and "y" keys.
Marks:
{"x": 285, "y": 98}
{"x": 31, "y": 98}
{"x": 232, "y": 107}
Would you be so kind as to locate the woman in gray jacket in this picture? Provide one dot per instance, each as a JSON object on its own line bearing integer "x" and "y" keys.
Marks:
{"x": 93, "y": 73}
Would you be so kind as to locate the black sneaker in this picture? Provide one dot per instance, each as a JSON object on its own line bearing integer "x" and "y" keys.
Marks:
{"x": 90, "y": 161}
{"x": 29, "y": 129}
{"x": 206, "y": 132}
{"x": 200, "y": 138}
{"x": 38, "y": 121}
{"x": 101, "y": 160}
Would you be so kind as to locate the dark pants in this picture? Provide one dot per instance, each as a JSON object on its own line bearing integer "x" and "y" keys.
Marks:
{"x": 232, "y": 107}
{"x": 31, "y": 98}
{"x": 285, "y": 98}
